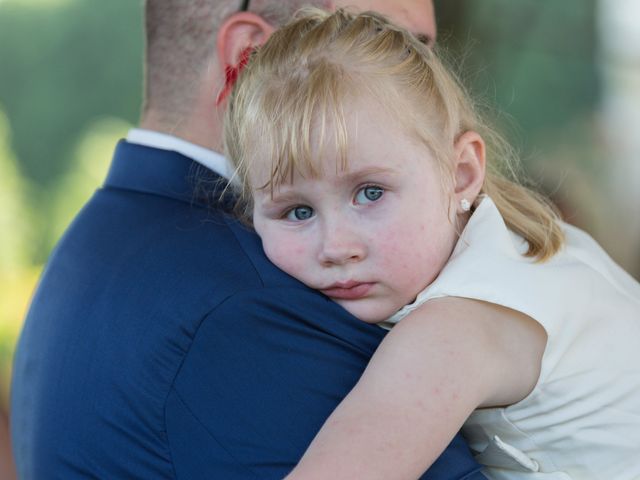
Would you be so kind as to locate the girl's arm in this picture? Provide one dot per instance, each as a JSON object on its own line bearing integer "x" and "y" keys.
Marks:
{"x": 433, "y": 369}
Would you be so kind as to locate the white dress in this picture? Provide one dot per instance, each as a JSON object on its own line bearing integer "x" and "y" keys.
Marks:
{"x": 582, "y": 419}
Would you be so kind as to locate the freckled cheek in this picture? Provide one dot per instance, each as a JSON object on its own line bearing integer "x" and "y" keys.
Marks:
{"x": 290, "y": 256}
{"x": 405, "y": 255}
{"x": 394, "y": 253}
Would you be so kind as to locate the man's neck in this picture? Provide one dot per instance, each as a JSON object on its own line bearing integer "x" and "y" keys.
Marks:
{"x": 199, "y": 130}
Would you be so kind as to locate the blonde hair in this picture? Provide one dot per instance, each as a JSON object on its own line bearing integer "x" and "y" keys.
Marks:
{"x": 292, "y": 92}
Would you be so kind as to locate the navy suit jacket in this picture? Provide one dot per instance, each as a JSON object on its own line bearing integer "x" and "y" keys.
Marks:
{"x": 162, "y": 344}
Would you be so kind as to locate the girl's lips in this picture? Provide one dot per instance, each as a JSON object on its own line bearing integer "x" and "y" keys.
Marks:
{"x": 347, "y": 291}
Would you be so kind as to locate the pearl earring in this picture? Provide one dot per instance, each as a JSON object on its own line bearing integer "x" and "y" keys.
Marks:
{"x": 465, "y": 205}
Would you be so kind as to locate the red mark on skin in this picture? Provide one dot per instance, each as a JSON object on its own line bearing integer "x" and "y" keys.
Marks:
{"x": 231, "y": 74}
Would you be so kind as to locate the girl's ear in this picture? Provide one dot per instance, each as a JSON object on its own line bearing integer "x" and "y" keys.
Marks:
{"x": 237, "y": 37}
{"x": 469, "y": 151}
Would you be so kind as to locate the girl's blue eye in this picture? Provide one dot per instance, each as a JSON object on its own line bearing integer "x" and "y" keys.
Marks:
{"x": 369, "y": 194}
{"x": 300, "y": 213}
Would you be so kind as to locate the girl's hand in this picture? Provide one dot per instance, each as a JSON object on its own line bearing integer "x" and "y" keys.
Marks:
{"x": 444, "y": 360}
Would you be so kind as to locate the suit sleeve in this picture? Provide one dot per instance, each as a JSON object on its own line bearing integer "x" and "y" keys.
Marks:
{"x": 264, "y": 371}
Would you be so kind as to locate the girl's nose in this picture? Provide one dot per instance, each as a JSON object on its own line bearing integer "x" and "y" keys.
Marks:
{"x": 341, "y": 246}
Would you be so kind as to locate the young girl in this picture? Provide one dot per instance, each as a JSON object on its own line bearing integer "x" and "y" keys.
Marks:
{"x": 362, "y": 163}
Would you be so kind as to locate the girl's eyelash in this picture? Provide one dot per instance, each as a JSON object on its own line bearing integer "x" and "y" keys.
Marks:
{"x": 369, "y": 185}
{"x": 287, "y": 211}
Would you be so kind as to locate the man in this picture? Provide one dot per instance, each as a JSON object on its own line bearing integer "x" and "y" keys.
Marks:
{"x": 161, "y": 343}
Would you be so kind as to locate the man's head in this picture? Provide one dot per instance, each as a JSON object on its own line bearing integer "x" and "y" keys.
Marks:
{"x": 417, "y": 16}
{"x": 192, "y": 45}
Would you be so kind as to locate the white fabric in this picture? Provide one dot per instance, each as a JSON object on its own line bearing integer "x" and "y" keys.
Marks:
{"x": 210, "y": 159}
{"x": 582, "y": 420}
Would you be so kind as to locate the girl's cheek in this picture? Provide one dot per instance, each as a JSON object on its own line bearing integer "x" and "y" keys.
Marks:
{"x": 287, "y": 254}
{"x": 272, "y": 245}
{"x": 392, "y": 248}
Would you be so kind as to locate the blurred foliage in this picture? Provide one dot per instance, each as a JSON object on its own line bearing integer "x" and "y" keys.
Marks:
{"x": 17, "y": 222}
{"x": 15, "y": 291}
{"x": 82, "y": 60}
{"x": 16, "y": 276}
{"x": 533, "y": 60}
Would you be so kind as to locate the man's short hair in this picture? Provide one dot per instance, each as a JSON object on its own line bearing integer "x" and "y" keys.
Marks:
{"x": 181, "y": 41}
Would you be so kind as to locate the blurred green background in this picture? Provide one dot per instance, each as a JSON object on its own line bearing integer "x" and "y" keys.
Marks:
{"x": 70, "y": 86}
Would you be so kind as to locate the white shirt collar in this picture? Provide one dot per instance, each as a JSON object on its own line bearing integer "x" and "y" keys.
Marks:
{"x": 210, "y": 159}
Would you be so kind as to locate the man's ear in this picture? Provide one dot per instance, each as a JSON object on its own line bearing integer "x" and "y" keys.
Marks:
{"x": 237, "y": 37}
{"x": 469, "y": 151}
{"x": 239, "y": 32}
